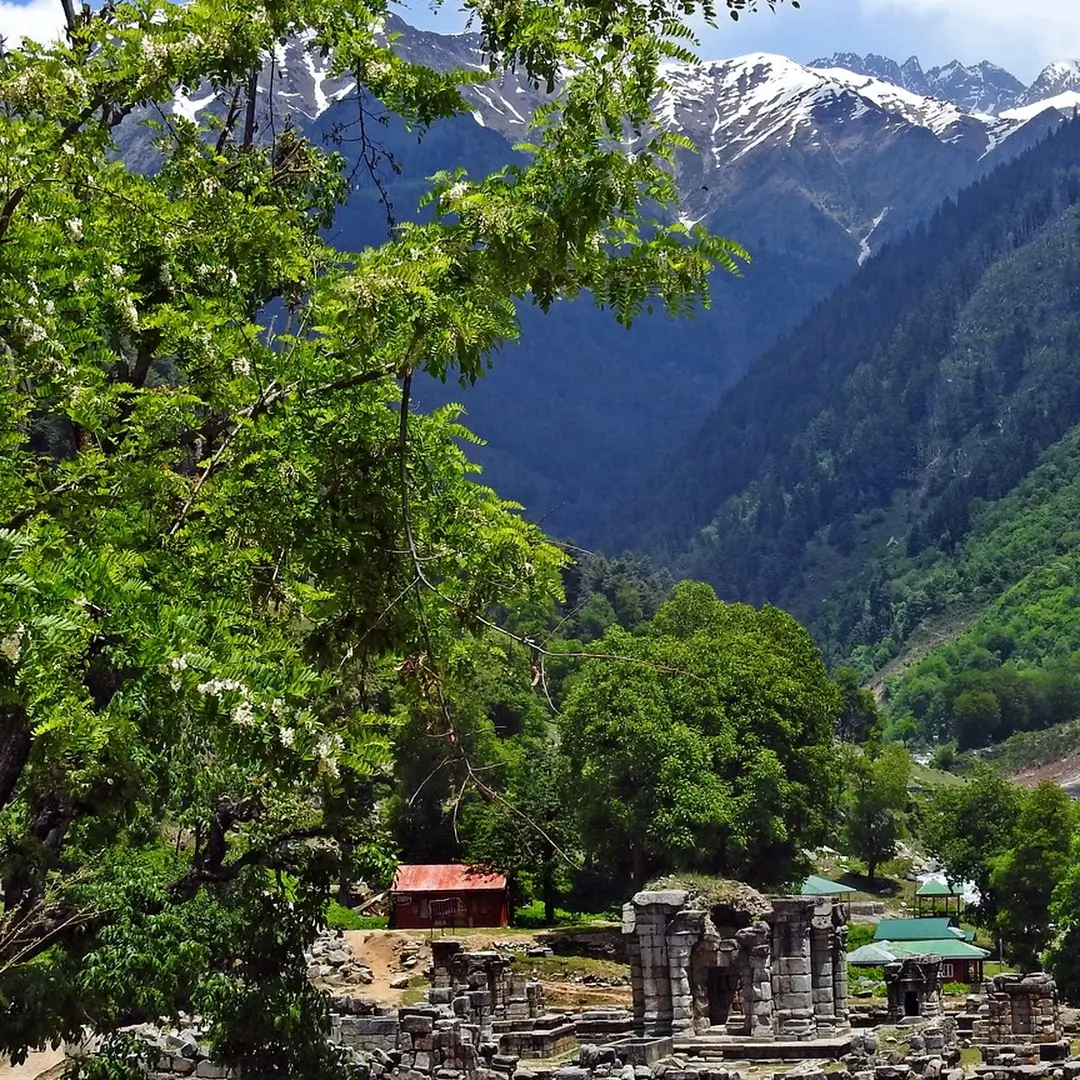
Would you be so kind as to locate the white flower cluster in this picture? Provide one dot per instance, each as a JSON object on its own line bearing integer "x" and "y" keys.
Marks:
{"x": 72, "y": 78}
{"x": 74, "y": 227}
{"x": 33, "y": 332}
{"x": 327, "y": 751}
{"x": 217, "y": 687}
{"x": 128, "y": 313}
{"x": 377, "y": 69}
{"x": 11, "y": 644}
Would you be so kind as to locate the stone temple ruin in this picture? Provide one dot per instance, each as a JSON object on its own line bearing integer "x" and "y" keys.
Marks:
{"x": 721, "y": 980}
{"x": 913, "y": 986}
{"x": 737, "y": 966}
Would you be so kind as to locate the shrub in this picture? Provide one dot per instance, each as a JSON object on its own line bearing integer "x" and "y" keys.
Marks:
{"x": 339, "y": 917}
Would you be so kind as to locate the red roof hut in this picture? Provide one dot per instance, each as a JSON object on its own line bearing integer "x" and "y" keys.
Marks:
{"x": 447, "y": 895}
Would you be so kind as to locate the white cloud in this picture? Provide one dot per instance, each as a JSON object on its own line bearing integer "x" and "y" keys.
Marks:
{"x": 39, "y": 20}
{"x": 1031, "y": 33}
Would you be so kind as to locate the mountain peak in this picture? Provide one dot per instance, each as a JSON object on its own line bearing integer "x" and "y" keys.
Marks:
{"x": 976, "y": 88}
{"x": 1057, "y": 78}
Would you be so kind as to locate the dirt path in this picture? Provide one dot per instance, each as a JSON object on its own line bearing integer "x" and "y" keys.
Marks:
{"x": 383, "y": 952}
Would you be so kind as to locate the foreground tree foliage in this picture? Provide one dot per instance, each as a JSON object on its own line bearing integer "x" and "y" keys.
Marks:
{"x": 217, "y": 543}
{"x": 705, "y": 744}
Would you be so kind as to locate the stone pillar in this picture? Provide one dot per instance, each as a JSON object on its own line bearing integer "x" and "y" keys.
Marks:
{"x": 653, "y": 913}
{"x": 633, "y": 952}
{"x": 791, "y": 981}
{"x": 822, "y": 987}
{"x": 840, "y": 976}
{"x": 682, "y": 936}
{"x": 757, "y": 988}
{"x": 443, "y": 952}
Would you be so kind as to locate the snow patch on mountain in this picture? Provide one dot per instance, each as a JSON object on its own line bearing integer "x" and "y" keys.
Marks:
{"x": 1065, "y": 103}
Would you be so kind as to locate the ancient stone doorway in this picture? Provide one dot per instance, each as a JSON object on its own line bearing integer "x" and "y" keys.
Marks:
{"x": 722, "y": 985}
{"x": 911, "y": 1003}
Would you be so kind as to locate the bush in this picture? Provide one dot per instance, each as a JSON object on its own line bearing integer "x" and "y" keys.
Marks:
{"x": 531, "y": 916}
{"x": 339, "y": 917}
{"x": 858, "y": 935}
{"x": 944, "y": 758}
{"x": 956, "y": 989}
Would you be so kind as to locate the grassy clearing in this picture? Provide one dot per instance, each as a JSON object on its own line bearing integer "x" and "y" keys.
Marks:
{"x": 570, "y": 968}
{"x": 924, "y": 778}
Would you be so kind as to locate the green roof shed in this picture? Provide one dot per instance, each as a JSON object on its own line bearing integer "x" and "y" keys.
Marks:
{"x": 819, "y": 886}
{"x": 928, "y": 929}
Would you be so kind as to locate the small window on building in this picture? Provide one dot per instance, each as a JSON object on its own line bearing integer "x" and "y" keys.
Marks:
{"x": 947, "y": 971}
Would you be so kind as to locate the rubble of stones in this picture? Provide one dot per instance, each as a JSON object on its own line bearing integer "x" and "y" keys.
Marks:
{"x": 331, "y": 964}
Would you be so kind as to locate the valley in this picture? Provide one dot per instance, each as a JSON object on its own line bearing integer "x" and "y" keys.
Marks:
{"x": 525, "y": 555}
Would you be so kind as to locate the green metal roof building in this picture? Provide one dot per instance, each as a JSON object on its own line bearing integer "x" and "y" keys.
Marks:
{"x": 899, "y": 938}
{"x": 819, "y": 886}
{"x": 926, "y": 929}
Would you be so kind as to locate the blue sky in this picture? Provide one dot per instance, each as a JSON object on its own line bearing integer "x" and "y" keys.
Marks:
{"x": 1021, "y": 35}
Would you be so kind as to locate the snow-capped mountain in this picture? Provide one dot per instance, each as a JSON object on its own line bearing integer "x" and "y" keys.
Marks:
{"x": 979, "y": 88}
{"x": 1054, "y": 80}
{"x": 752, "y": 113}
{"x": 812, "y": 167}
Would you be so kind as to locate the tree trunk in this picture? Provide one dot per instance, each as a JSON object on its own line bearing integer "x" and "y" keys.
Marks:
{"x": 547, "y": 886}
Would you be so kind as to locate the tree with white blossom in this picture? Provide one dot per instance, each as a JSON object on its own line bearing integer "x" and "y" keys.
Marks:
{"x": 220, "y": 518}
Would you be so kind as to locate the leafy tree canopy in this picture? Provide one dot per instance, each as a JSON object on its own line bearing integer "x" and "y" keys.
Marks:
{"x": 706, "y": 743}
{"x": 218, "y": 543}
{"x": 876, "y": 801}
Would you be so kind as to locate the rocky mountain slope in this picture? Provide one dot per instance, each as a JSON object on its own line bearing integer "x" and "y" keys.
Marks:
{"x": 813, "y": 169}
{"x": 909, "y": 457}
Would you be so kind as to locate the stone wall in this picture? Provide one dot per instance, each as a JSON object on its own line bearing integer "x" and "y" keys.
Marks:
{"x": 1019, "y": 1009}
{"x": 776, "y": 973}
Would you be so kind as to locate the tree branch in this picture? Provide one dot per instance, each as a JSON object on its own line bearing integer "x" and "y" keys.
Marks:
{"x": 14, "y": 749}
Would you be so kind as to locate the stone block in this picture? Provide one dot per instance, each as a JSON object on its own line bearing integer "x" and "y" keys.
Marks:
{"x": 210, "y": 1070}
{"x": 655, "y": 898}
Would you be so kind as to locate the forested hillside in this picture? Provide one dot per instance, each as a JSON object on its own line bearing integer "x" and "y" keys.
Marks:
{"x": 880, "y": 467}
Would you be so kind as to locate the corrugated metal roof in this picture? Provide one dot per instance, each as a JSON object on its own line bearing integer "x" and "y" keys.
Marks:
{"x": 872, "y": 955}
{"x": 947, "y": 949}
{"x": 885, "y": 952}
{"x": 444, "y": 878}
{"x": 913, "y": 929}
{"x": 819, "y": 886}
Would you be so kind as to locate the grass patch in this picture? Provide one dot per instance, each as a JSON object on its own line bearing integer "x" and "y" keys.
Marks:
{"x": 570, "y": 968}
{"x": 970, "y": 1056}
{"x": 531, "y": 917}
{"x": 339, "y": 917}
{"x": 416, "y": 992}
{"x": 925, "y": 778}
